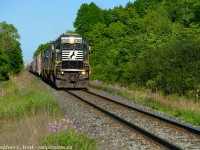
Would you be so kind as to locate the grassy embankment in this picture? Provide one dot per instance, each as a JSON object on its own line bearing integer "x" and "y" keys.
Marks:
{"x": 187, "y": 110}
{"x": 26, "y": 115}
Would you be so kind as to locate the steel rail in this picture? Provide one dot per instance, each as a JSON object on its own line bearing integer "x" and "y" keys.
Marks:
{"x": 136, "y": 128}
{"x": 170, "y": 121}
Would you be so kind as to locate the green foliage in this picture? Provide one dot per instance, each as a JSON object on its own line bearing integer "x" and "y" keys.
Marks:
{"x": 192, "y": 116}
{"x": 16, "y": 61}
{"x": 87, "y": 17}
{"x": 40, "y": 48}
{"x": 142, "y": 5}
{"x": 183, "y": 11}
{"x": 18, "y": 102}
{"x": 71, "y": 140}
{"x": 4, "y": 70}
{"x": 153, "y": 43}
{"x": 9, "y": 29}
{"x": 70, "y": 32}
{"x": 11, "y": 61}
{"x": 179, "y": 62}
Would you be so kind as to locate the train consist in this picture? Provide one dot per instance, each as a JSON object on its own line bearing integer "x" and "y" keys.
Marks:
{"x": 65, "y": 62}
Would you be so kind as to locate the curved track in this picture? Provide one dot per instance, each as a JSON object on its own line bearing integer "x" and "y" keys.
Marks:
{"x": 166, "y": 120}
{"x": 160, "y": 141}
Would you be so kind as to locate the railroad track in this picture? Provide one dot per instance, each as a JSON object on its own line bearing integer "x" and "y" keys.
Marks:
{"x": 166, "y": 120}
{"x": 88, "y": 97}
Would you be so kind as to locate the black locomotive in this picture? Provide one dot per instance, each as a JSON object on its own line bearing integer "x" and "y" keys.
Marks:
{"x": 65, "y": 62}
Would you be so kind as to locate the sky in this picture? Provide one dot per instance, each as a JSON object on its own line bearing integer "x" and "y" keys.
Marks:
{"x": 41, "y": 21}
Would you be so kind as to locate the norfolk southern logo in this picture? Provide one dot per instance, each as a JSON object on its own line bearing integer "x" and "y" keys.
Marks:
{"x": 72, "y": 55}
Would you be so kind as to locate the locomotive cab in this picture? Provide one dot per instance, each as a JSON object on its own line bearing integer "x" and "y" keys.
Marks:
{"x": 71, "y": 62}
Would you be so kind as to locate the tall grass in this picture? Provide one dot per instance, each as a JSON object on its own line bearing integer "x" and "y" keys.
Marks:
{"x": 187, "y": 110}
{"x": 29, "y": 130}
{"x": 26, "y": 109}
{"x": 15, "y": 105}
{"x": 27, "y": 99}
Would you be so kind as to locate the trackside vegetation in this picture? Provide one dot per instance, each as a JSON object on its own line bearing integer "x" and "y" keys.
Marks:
{"x": 65, "y": 129}
{"x": 183, "y": 108}
{"x": 151, "y": 47}
{"x": 30, "y": 115}
{"x": 147, "y": 43}
{"x": 40, "y": 48}
{"x": 11, "y": 61}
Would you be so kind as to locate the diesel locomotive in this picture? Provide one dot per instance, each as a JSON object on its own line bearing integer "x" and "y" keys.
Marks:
{"x": 65, "y": 62}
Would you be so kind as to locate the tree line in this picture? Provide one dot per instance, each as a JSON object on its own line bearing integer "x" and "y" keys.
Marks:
{"x": 151, "y": 43}
{"x": 11, "y": 61}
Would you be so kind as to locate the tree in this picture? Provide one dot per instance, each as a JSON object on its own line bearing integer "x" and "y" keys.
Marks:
{"x": 142, "y": 5}
{"x": 4, "y": 70}
{"x": 183, "y": 11}
{"x": 87, "y": 17}
{"x": 10, "y": 51}
{"x": 10, "y": 30}
{"x": 153, "y": 43}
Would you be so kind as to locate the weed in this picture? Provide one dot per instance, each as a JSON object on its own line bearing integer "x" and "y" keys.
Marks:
{"x": 26, "y": 110}
{"x": 186, "y": 109}
{"x": 65, "y": 133}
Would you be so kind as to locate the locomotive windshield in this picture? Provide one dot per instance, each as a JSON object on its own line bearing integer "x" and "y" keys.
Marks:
{"x": 71, "y": 46}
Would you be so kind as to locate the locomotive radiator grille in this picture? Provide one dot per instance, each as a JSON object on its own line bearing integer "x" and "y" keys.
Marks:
{"x": 72, "y": 64}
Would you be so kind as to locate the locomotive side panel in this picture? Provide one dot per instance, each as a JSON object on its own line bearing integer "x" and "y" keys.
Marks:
{"x": 34, "y": 66}
{"x": 39, "y": 64}
{"x": 46, "y": 58}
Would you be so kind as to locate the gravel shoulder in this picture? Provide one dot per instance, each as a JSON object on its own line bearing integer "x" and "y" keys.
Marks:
{"x": 111, "y": 135}
{"x": 139, "y": 105}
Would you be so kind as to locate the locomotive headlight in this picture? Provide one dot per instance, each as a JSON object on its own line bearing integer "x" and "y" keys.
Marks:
{"x": 83, "y": 72}
{"x": 62, "y": 73}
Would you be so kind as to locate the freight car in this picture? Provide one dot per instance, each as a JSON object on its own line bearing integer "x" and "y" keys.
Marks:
{"x": 65, "y": 62}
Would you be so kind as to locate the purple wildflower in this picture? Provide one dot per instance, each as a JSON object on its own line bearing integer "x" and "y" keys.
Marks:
{"x": 74, "y": 127}
{"x": 54, "y": 130}
{"x": 59, "y": 125}
{"x": 64, "y": 128}
{"x": 55, "y": 122}
{"x": 71, "y": 122}
{"x": 53, "y": 127}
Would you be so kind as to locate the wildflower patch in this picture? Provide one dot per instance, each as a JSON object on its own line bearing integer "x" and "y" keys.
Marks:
{"x": 65, "y": 133}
